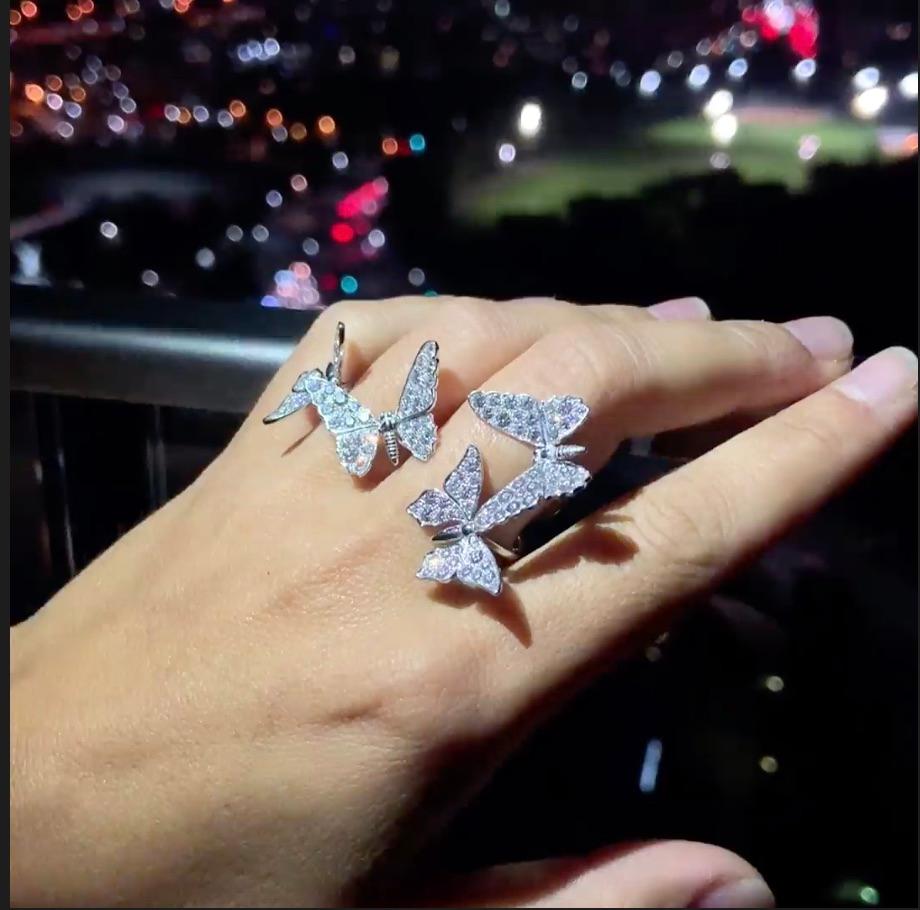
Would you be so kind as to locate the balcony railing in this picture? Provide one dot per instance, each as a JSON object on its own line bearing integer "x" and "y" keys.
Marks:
{"x": 156, "y": 351}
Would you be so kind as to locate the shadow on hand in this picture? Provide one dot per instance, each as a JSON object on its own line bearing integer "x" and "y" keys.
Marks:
{"x": 505, "y": 607}
{"x": 593, "y": 541}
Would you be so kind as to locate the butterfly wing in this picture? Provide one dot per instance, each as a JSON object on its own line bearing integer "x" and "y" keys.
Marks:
{"x": 300, "y": 396}
{"x": 434, "y": 507}
{"x": 356, "y": 450}
{"x": 468, "y": 560}
{"x": 352, "y": 424}
{"x": 419, "y": 435}
{"x": 562, "y": 415}
{"x": 440, "y": 564}
{"x": 519, "y": 416}
{"x": 457, "y": 504}
{"x": 421, "y": 388}
{"x": 520, "y": 495}
{"x": 415, "y": 426}
{"x": 561, "y": 478}
{"x": 464, "y": 483}
{"x": 289, "y": 404}
{"x": 476, "y": 565}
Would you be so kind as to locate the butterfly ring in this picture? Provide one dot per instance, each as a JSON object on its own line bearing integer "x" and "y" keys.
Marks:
{"x": 356, "y": 430}
{"x": 299, "y": 396}
{"x": 462, "y": 552}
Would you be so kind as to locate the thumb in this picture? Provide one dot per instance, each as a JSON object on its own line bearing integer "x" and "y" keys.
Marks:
{"x": 650, "y": 874}
{"x": 660, "y": 874}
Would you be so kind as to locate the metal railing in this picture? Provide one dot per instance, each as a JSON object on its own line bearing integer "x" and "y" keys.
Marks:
{"x": 160, "y": 351}
{"x": 117, "y": 403}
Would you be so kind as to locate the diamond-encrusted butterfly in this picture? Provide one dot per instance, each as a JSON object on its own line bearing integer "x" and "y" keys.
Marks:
{"x": 463, "y": 554}
{"x": 299, "y": 396}
{"x": 357, "y": 431}
{"x": 542, "y": 424}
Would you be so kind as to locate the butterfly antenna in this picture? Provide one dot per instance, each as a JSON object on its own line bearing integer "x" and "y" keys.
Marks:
{"x": 334, "y": 368}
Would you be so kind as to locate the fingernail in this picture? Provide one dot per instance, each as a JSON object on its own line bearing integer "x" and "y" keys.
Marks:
{"x": 882, "y": 378}
{"x": 681, "y": 308}
{"x": 746, "y": 892}
{"x": 825, "y": 337}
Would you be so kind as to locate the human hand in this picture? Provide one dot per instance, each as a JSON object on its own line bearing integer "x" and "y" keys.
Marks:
{"x": 250, "y": 699}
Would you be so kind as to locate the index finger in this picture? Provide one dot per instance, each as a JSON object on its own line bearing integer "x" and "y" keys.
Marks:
{"x": 630, "y": 564}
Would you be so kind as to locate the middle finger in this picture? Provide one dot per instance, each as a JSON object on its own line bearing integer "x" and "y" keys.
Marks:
{"x": 639, "y": 378}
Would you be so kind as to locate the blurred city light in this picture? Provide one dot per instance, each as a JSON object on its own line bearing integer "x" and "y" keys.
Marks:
{"x": 870, "y": 103}
{"x": 804, "y": 70}
{"x": 724, "y": 128}
{"x": 507, "y": 153}
{"x": 698, "y": 76}
{"x": 866, "y": 78}
{"x": 619, "y": 72}
{"x": 720, "y": 103}
{"x": 908, "y": 86}
{"x": 530, "y": 119}
{"x": 737, "y": 69}
{"x": 649, "y": 82}
{"x": 808, "y": 147}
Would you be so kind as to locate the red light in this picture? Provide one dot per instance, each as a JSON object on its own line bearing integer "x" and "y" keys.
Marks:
{"x": 328, "y": 282}
{"x": 342, "y": 233}
{"x": 803, "y": 36}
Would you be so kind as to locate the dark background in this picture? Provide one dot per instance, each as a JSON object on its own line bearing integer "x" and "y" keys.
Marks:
{"x": 784, "y": 708}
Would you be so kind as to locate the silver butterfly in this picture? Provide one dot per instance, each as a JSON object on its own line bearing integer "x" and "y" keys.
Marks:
{"x": 462, "y": 553}
{"x": 542, "y": 424}
{"x": 357, "y": 431}
{"x": 299, "y": 396}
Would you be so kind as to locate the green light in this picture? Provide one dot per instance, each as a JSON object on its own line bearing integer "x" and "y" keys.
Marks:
{"x": 430, "y": 293}
{"x": 417, "y": 143}
{"x": 868, "y": 895}
{"x": 348, "y": 284}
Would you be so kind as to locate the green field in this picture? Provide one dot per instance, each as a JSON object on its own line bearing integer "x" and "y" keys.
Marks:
{"x": 759, "y": 153}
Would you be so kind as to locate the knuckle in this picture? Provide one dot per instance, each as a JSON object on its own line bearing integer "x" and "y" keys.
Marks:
{"x": 689, "y": 527}
{"x": 471, "y": 316}
{"x": 773, "y": 348}
{"x": 601, "y": 356}
{"x": 341, "y": 311}
{"x": 812, "y": 435}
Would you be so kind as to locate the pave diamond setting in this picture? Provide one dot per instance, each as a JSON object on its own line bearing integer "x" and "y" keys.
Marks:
{"x": 357, "y": 431}
{"x": 463, "y": 554}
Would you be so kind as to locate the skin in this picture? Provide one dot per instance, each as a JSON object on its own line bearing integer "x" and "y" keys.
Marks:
{"x": 250, "y": 700}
